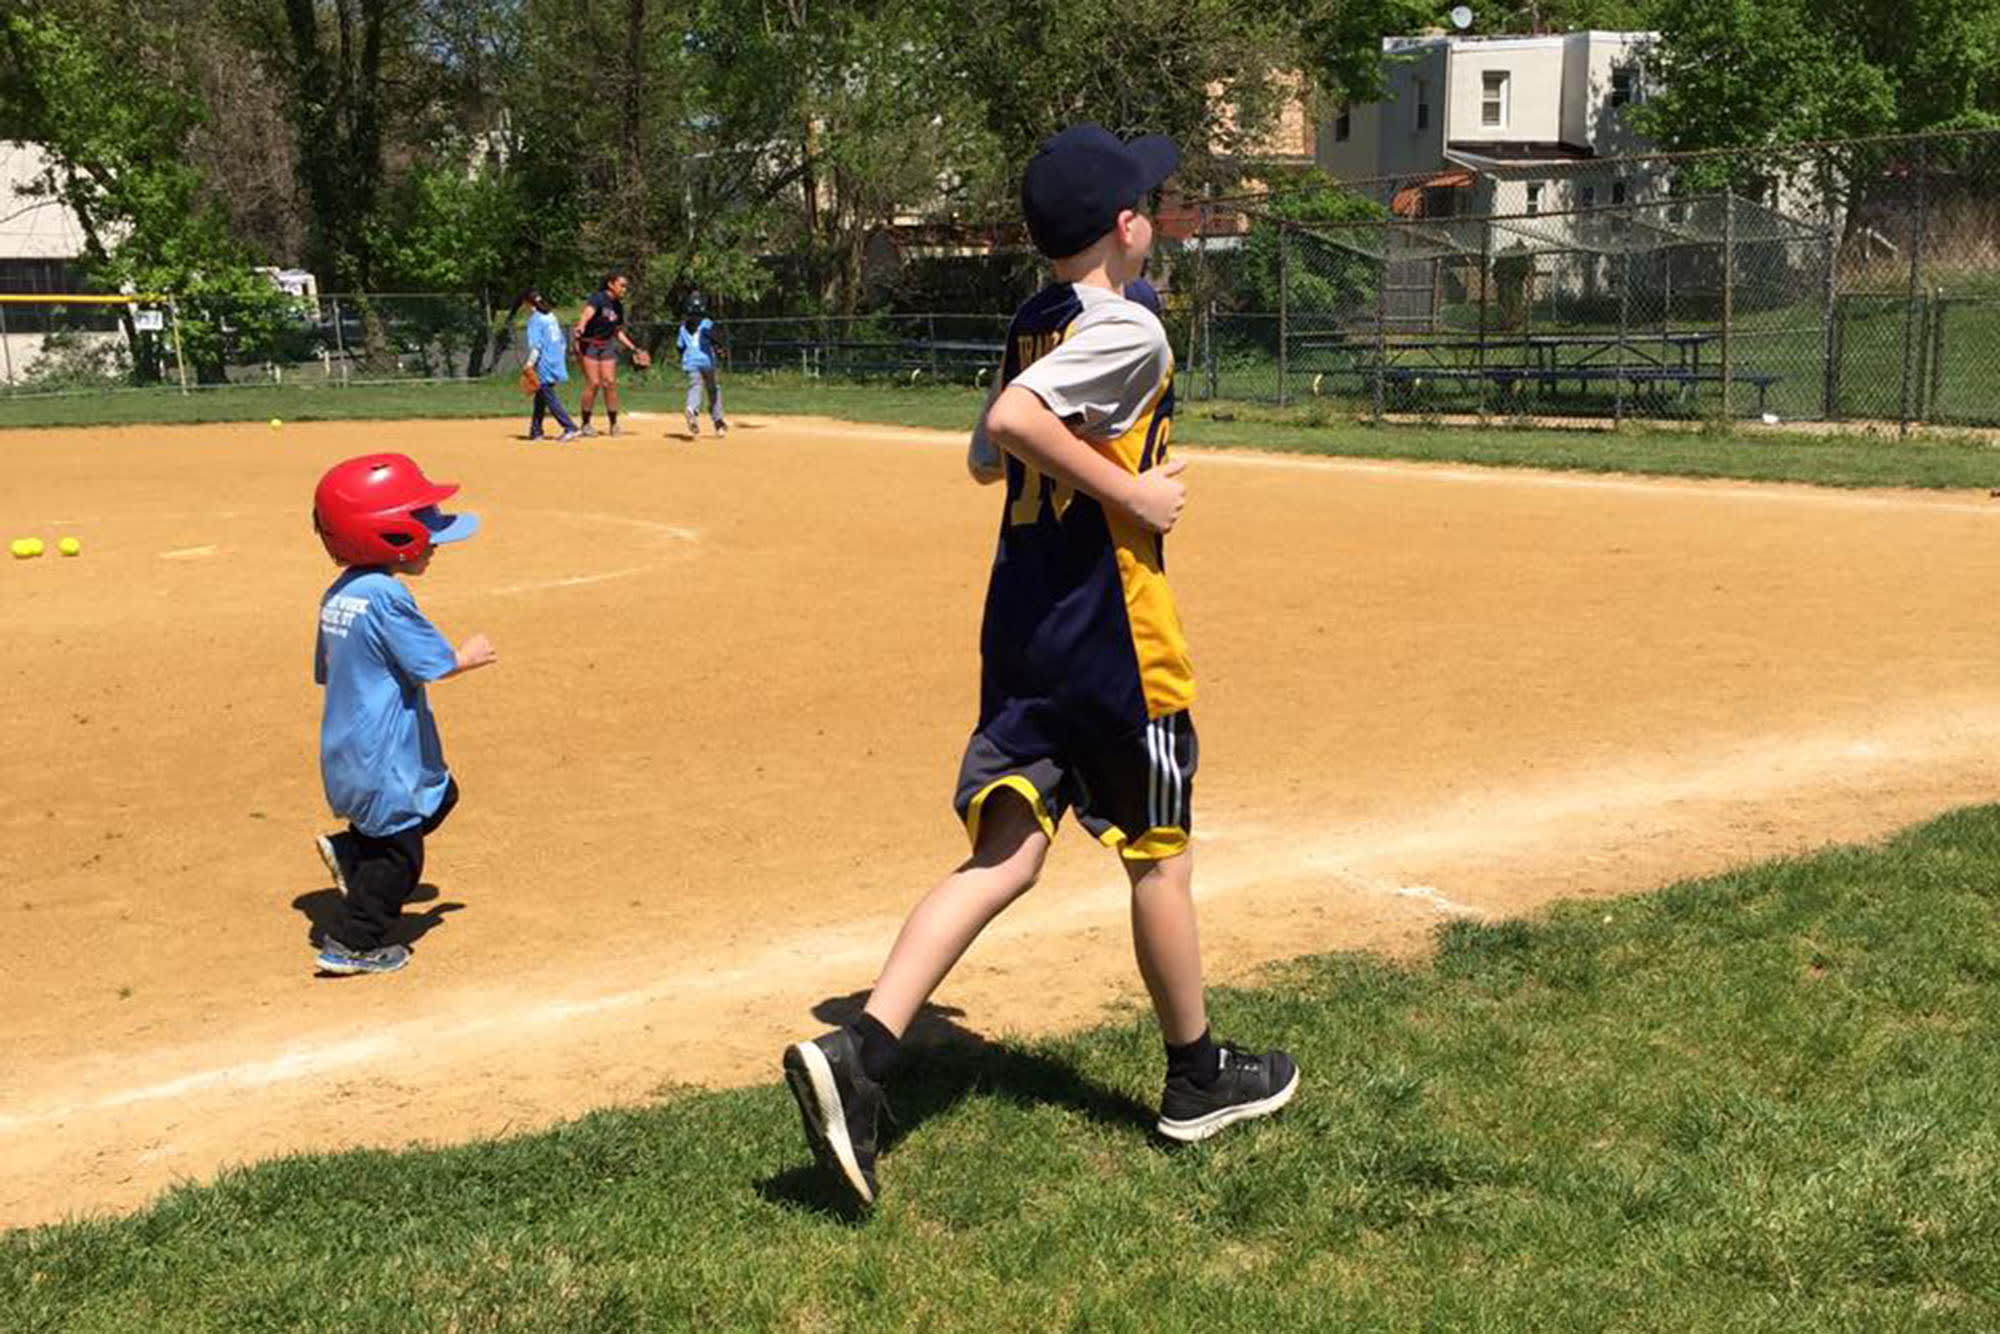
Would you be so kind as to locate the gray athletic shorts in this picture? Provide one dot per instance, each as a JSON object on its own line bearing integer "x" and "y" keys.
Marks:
{"x": 1135, "y": 794}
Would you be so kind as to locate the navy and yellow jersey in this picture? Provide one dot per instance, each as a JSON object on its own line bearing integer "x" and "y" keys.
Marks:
{"x": 1081, "y": 642}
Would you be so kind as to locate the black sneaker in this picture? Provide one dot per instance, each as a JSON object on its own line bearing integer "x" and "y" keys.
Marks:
{"x": 839, "y": 1105}
{"x": 1248, "y": 1086}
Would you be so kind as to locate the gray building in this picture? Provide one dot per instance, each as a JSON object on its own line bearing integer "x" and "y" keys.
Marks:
{"x": 1481, "y": 125}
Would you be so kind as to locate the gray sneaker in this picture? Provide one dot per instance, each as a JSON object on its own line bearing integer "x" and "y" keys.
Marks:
{"x": 340, "y": 961}
{"x": 568, "y": 436}
{"x": 722, "y": 428}
{"x": 694, "y": 424}
{"x": 584, "y": 432}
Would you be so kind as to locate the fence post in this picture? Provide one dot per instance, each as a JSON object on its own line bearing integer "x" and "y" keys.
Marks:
{"x": 1916, "y": 276}
{"x": 1624, "y": 322}
{"x": 180, "y": 359}
{"x": 1728, "y": 303}
{"x": 930, "y": 324}
{"x": 1935, "y": 360}
{"x": 339, "y": 337}
{"x": 6, "y": 346}
{"x": 1485, "y": 296}
{"x": 1381, "y": 323}
{"x": 1830, "y": 284}
{"x": 1199, "y": 287}
{"x": 1208, "y": 345}
{"x": 1284, "y": 313}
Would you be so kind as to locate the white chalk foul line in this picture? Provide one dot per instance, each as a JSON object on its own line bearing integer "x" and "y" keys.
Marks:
{"x": 1370, "y": 859}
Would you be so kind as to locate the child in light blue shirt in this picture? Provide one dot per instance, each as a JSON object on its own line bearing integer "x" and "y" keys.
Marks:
{"x": 696, "y": 340}
{"x": 548, "y": 357}
{"x": 380, "y": 758}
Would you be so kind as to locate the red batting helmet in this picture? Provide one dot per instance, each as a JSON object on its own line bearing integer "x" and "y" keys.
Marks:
{"x": 380, "y": 509}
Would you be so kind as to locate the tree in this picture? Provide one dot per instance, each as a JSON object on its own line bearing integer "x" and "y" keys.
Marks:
{"x": 1202, "y": 72}
{"x": 100, "y": 93}
{"x": 1305, "y": 254}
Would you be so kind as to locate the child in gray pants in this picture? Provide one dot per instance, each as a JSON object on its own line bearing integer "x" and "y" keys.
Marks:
{"x": 696, "y": 340}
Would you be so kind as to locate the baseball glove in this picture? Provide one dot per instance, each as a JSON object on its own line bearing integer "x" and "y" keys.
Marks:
{"x": 529, "y": 381}
{"x": 642, "y": 358}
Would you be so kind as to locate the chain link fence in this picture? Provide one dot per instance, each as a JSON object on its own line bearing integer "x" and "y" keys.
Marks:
{"x": 1853, "y": 281}
{"x": 1849, "y": 281}
{"x": 51, "y": 345}
{"x": 913, "y": 348}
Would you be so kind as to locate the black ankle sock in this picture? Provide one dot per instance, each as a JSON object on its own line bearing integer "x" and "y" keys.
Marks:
{"x": 613, "y": 415}
{"x": 586, "y": 416}
{"x": 878, "y": 1045}
{"x": 1198, "y": 1061}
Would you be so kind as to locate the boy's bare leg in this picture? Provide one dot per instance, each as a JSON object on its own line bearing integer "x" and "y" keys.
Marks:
{"x": 943, "y": 926}
{"x": 1168, "y": 943}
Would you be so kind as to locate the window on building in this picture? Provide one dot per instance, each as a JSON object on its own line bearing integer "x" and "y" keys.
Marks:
{"x": 28, "y": 277}
{"x": 1587, "y": 197}
{"x": 1423, "y": 104}
{"x": 1343, "y": 125}
{"x": 1493, "y": 98}
{"x": 1534, "y": 198}
{"x": 1617, "y": 192}
{"x": 1624, "y": 85}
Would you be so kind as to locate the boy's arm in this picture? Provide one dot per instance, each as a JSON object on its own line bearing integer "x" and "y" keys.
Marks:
{"x": 982, "y": 456}
{"x": 473, "y": 654}
{"x": 416, "y": 647}
{"x": 1022, "y": 424}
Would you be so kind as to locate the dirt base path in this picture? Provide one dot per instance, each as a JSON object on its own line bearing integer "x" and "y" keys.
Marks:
{"x": 713, "y": 766}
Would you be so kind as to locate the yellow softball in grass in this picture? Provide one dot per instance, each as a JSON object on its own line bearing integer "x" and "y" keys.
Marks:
{"x": 26, "y": 548}
{"x": 69, "y": 546}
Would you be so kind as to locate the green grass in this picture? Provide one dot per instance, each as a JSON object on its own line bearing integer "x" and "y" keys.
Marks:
{"x": 1762, "y": 1101}
{"x": 1842, "y": 459}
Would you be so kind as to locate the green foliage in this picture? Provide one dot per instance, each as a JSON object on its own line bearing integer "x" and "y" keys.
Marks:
{"x": 1756, "y": 1102}
{"x": 1329, "y": 270}
{"x": 98, "y": 101}
{"x": 1748, "y": 73}
{"x": 454, "y": 229}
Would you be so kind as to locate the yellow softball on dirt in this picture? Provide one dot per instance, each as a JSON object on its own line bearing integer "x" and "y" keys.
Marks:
{"x": 69, "y": 546}
{"x": 276, "y": 422}
{"x": 27, "y": 548}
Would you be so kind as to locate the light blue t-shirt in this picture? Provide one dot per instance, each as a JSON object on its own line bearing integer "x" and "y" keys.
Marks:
{"x": 379, "y": 754}
{"x": 697, "y": 348}
{"x": 545, "y": 336}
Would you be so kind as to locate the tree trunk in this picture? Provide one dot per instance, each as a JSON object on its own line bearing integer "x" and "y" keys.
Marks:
{"x": 336, "y": 104}
{"x": 632, "y": 134}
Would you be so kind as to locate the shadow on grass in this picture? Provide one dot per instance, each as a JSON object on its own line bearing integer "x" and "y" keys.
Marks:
{"x": 942, "y": 1064}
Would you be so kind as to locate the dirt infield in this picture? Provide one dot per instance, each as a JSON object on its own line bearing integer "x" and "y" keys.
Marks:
{"x": 714, "y": 763}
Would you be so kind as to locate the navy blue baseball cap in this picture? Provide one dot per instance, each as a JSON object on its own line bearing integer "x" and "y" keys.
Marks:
{"x": 1081, "y": 179}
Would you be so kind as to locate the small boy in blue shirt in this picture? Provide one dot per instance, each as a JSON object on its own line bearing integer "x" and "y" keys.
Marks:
{"x": 696, "y": 341}
{"x": 380, "y": 758}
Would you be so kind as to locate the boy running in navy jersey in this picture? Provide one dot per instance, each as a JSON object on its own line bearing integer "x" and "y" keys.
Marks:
{"x": 1086, "y": 682}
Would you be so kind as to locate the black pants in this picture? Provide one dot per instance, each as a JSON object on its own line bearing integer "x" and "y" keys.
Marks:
{"x": 545, "y": 403}
{"x": 383, "y": 876}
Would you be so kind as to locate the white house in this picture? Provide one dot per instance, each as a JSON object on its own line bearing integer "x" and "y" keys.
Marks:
{"x": 40, "y": 241}
{"x": 1477, "y": 125}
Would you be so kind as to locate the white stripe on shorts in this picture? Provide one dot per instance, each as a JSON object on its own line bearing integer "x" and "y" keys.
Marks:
{"x": 1152, "y": 775}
